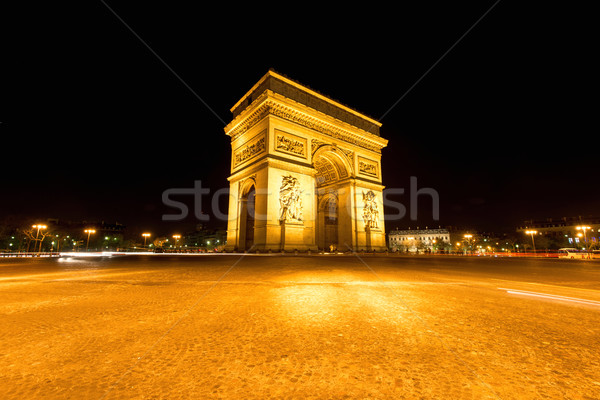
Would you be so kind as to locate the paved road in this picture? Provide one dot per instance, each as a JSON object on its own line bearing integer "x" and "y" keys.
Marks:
{"x": 307, "y": 327}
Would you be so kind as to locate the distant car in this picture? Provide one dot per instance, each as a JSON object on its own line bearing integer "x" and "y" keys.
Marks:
{"x": 569, "y": 252}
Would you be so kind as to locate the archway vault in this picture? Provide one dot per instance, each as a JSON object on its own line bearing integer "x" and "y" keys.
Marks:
{"x": 331, "y": 165}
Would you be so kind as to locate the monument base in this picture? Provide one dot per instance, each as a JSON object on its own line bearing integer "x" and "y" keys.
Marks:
{"x": 372, "y": 239}
{"x": 292, "y": 237}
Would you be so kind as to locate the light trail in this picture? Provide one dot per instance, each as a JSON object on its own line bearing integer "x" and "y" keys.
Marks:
{"x": 552, "y": 296}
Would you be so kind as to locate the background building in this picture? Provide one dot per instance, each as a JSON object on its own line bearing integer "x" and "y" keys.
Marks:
{"x": 578, "y": 232}
{"x": 419, "y": 240}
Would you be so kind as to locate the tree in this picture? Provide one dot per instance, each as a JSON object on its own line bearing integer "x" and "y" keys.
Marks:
{"x": 548, "y": 242}
{"x": 509, "y": 242}
{"x": 442, "y": 245}
{"x": 35, "y": 235}
{"x": 160, "y": 241}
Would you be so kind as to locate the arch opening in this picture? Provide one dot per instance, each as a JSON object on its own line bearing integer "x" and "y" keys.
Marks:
{"x": 247, "y": 217}
{"x": 333, "y": 224}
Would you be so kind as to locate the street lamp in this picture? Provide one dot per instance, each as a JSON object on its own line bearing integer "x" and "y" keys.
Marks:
{"x": 176, "y": 237}
{"x": 38, "y": 227}
{"x": 146, "y": 236}
{"x": 532, "y": 241}
{"x": 584, "y": 228}
{"x": 89, "y": 232}
{"x": 468, "y": 238}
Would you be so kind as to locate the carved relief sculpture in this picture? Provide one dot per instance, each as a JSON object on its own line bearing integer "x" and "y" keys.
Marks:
{"x": 290, "y": 145}
{"x": 290, "y": 200}
{"x": 370, "y": 212}
{"x": 367, "y": 167}
{"x": 249, "y": 151}
{"x": 315, "y": 144}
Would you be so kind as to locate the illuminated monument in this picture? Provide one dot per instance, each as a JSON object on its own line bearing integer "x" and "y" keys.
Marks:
{"x": 305, "y": 172}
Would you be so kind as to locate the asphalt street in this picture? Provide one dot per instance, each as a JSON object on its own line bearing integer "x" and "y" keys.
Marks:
{"x": 299, "y": 327}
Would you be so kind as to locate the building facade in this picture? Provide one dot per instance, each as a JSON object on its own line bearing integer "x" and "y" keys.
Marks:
{"x": 576, "y": 232}
{"x": 415, "y": 240}
{"x": 305, "y": 172}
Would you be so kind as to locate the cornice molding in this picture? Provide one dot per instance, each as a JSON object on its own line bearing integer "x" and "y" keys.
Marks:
{"x": 270, "y": 104}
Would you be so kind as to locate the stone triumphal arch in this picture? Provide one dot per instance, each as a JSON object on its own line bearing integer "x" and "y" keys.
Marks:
{"x": 305, "y": 172}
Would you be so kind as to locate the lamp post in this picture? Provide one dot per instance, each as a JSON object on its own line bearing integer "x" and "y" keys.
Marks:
{"x": 57, "y": 244}
{"x": 468, "y": 238}
{"x": 176, "y": 237}
{"x": 89, "y": 232}
{"x": 38, "y": 227}
{"x": 146, "y": 236}
{"x": 584, "y": 228}
{"x": 532, "y": 241}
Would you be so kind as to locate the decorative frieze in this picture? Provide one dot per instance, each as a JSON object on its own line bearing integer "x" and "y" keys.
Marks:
{"x": 290, "y": 144}
{"x": 368, "y": 167}
{"x": 249, "y": 150}
{"x": 275, "y": 108}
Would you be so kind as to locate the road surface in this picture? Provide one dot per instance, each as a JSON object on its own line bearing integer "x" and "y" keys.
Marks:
{"x": 299, "y": 327}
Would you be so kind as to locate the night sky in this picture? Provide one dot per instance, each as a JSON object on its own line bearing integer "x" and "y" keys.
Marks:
{"x": 502, "y": 126}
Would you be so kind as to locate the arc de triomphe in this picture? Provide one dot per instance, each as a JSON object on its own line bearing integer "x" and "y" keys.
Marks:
{"x": 305, "y": 172}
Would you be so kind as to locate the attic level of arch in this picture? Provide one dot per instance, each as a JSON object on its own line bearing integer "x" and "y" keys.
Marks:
{"x": 350, "y": 126}
{"x": 282, "y": 85}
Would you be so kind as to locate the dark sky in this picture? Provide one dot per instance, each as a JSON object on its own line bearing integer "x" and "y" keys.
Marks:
{"x": 502, "y": 127}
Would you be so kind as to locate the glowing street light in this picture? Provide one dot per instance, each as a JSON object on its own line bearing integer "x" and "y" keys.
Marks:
{"x": 176, "y": 237}
{"x": 146, "y": 236}
{"x": 467, "y": 237}
{"x": 532, "y": 241}
{"x": 584, "y": 228}
{"x": 89, "y": 232}
{"x": 38, "y": 227}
